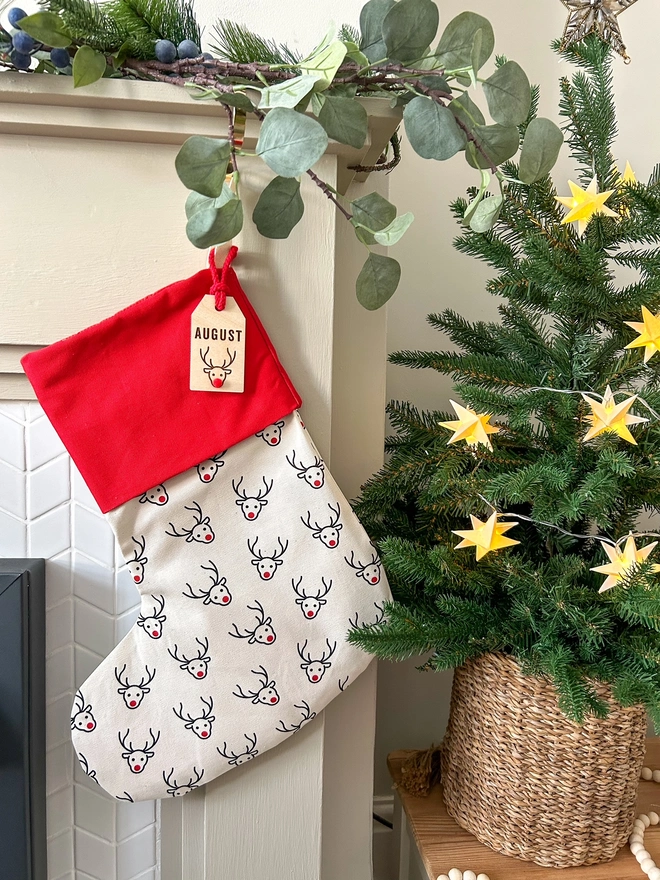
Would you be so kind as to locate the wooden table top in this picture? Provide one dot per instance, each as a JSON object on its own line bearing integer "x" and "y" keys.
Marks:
{"x": 442, "y": 844}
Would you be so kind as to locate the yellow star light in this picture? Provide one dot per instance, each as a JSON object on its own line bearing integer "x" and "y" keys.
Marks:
{"x": 622, "y": 561}
{"x": 628, "y": 175}
{"x": 649, "y": 333}
{"x": 584, "y": 204}
{"x": 486, "y": 536}
{"x": 611, "y": 417}
{"x": 470, "y": 426}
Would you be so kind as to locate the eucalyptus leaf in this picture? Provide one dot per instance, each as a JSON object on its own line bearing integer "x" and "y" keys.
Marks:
{"x": 377, "y": 281}
{"x": 466, "y": 111}
{"x": 201, "y": 164}
{"x": 408, "y": 29}
{"x": 365, "y": 236}
{"x": 279, "y": 208}
{"x": 509, "y": 94}
{"x": 456, "y": 48}
{"x": 395, "y": 231}
{"x": 194, "y": 202}
{"x": 373, "y": 212}
{"x": 215, "y": 222}
{"x": 238, "y": 100}
{"x": 475, "y": 54}
{"x": 88, "y": 66}
{"x": 372, "y": 16}
{"x": 47, "y": 28}
{"x": 325, "y": 64}
{"x": 540, "y": 149}
{"x": 486, "y": 214}
{"x": 317, "y": 102}
{"x": 353, "y": 53}
{"x": 345, "y": 120}
{"x": 432, "y": 129}
{"x": 290, "y": 143}
{"x": 499, "y": 142}
{"x": 436, "y": 83}
{"x": 288, "y": 93}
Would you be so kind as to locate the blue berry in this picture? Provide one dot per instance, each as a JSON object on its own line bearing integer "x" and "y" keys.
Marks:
{"x": 207, "y": 56}
{"x": 23, "y": 43}
{"x": 60, "y": 57}
{"x": 21, "y": 61}
{"x": 188, "y": 49}
{"x": 165, "y": 51}
{"x": 15, "y": 15}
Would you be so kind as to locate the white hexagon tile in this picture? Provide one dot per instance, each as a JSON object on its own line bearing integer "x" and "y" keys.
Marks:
{"x": 47, "y": 511}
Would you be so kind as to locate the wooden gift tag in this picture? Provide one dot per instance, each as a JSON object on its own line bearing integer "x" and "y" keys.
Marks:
{"x": 217, "y": 349}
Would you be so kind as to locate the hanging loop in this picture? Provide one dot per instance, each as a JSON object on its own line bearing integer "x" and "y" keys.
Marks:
{"x": 220, "y": 286}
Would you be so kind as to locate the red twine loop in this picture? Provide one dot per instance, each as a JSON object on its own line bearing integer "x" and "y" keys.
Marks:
{"x": 220, "y": 287}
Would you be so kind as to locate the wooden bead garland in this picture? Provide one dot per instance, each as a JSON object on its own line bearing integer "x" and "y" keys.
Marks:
{"x": 642, "y": 822}
{"x": 455, "y": 874}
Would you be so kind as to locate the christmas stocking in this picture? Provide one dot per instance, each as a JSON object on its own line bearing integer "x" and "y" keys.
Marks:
{"x": 250, "y": 564}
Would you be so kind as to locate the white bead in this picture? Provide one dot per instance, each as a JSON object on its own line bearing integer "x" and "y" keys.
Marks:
{"x": 636, "y": 847}
{"x": 654, "y": 874}
{"x": 641, "y": 856}
{"x": 645, "y": 819}
{"x": 443, "y": 877}
{"x": 636, "y": 838}
{"x": 647, "y": 864}
{"x": 483, "y": 877}
{"x": 654, "y": 818}
{"x": 469, "y": 875}
{"x": 455, "y": 874}
{"x": 656, "y": 775}
{"x": 647, "y": 773}
{"x": 639, "y": 823}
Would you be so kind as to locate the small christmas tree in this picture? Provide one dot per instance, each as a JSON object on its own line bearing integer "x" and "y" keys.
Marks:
{"x": 554, "y": 467}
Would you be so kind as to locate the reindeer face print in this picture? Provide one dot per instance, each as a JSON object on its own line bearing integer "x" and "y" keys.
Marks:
{"x": 262, "y": 634}
{"x": 201, "y": 724}
{"x": 306, "y": 713}
{"x": 133, "y": 694}
{"x": 197, "y": 665}
{"x": 369, "y": 571}
{"x": 311, "y": 599}
{"x": 158, "y": 495}
{"x": 81, "y": 715}
{"x": 272, "y": 435}
{"x": 137, "y": 758}
{"x": 178, "y": 789}
{"x": 152, "y": 623}
{"x": 200, "y": 530}
{"x": 137, "y": 563}
{"x": 217, "y": 594}
{"x": 316, "y": 669}
{"x": 207, "y": 470}
{"x": 267, "y": 565}
{"x": 327, "y": 534}
{"x": 251, "y": 505}
{"x": 265, "y": 691}
{"x": 312, "y": 474}
{"x": 249, "y": 752}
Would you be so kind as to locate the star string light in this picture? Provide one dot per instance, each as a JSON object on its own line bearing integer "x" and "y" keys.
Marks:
{"x": 622, "y": 561}
{"x": 596, "y": 16}
{"x": 470, "y": 426}
{"x": 611, "y": 417}
{"x": 486, "y": 536}
{"x": 584, "y": 204}
{"x": 649, "y": 333}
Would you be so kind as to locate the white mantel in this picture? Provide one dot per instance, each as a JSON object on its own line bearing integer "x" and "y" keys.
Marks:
{"x": 110, "y": 229}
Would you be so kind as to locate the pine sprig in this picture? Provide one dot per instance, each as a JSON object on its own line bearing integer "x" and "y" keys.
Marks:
{"x": 235, "y": 42}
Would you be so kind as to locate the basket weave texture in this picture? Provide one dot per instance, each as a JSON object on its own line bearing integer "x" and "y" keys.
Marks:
{"x": 528, "y": 782}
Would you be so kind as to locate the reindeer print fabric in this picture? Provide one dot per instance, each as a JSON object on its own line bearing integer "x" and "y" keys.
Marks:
{"x": 252, "y": 569}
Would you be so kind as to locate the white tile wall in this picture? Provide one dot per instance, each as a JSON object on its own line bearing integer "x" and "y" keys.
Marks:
{"x": 47, "y": 511}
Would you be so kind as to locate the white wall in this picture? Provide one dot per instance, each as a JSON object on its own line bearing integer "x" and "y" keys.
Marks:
{"x": 413, "y": 707}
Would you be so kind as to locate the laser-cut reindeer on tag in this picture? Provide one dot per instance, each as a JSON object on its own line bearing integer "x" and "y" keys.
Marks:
{"x": 312, "y": 474}
{"x": 217, "y": 594}
{"x": 217, "y": 373}
{"x": 272, "y": 435}
{"x": 137, "y": 563}
{"x": 178, "y": 790}
{"x": 133, "y": 694}
{"x": 266, "y": 692}
{"x": 207, "y": 469}
{"x": 198, "y": 664}
{"x": 369, "y": 571}
{"x": 267, "y": 565}
{"x": 326, "y": 534}
{"x": 311, "y": 599}
{"x": 200, "y": 531}
{"x": 316, "y": 669}
{"x": 81, "y": 715}
{"x": 307, "y": 715}
{"x": 137, "y": 759}
{"x": 235, "y": 760}
{"x": 251, "y": 505}
{"x": 152, "y": 623}
{"x": 201, "y": 725}
{"x": 263, "y": 633}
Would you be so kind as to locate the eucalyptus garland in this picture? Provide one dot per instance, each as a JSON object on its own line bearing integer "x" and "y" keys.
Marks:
{"x": 303, "y": 102}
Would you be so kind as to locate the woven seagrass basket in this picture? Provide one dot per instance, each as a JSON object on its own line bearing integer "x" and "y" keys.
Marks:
{"x": 528, "y": 782}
